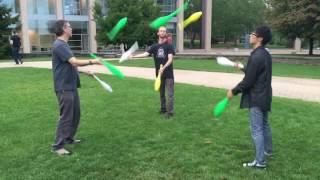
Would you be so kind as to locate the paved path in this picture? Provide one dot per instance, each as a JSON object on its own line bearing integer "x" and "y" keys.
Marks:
{"x": 296, "y": 88}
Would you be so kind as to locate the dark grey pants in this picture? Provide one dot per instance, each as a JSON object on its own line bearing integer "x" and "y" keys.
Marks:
{"x": 67, "y": 126}
{"x": 169, "y": 85}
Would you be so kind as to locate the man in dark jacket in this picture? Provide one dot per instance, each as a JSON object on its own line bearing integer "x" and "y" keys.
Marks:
{"x": 257, "y": 95}
{"x": 16, "y": 43}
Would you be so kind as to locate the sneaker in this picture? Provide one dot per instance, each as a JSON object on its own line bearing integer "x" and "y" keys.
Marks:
{"x": 254, "y": 164}
{"x": 62, "y": 152}
{"x": 267, "y": 154}
{"x": 73, "y": 141}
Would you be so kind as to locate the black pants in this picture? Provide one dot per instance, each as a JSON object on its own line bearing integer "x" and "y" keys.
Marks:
{"x": 168, "y": 84}
{"x": 67, "y": 126}
{"x": 15, "y": 55}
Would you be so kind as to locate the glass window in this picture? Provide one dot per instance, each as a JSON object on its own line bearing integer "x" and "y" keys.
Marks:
{"x": 40, "y": 37}
{"x": 167, "y": 6}
{"x": 79, "y": 40}
{"x": 41, "y": 7}
{"x": 75, "y": 7}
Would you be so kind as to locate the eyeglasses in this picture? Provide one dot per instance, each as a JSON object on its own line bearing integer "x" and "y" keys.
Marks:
{"x": 254, "y": 34}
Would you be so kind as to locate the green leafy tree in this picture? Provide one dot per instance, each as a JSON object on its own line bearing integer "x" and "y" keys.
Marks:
{"x": 233, "y": 18}
{"x": 5, "y": 21}
{"x": 139, "y": 12}
{"x": 296, "y": 18}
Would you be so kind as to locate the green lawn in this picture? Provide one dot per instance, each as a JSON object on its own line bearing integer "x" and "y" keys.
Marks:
{"x": 125, "y": 137}
{"x": 279, "y": 69}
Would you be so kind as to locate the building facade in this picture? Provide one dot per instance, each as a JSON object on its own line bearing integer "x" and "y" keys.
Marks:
{"x": 37, "y": 16}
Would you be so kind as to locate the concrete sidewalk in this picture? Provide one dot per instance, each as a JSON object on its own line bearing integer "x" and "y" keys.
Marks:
{"x": 295, "y": 88}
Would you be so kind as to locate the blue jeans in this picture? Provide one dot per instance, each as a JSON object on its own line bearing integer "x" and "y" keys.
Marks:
{"x": 261, "y": 133}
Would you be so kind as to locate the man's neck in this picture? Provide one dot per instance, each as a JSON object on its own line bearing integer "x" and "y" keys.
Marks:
{"x": 63, "y": 38}
{"x": 161, "y": 40}
{"x": 255, "y": 46}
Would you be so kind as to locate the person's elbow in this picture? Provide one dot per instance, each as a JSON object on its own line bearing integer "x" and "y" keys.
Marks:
{"x": 73, "y": 61}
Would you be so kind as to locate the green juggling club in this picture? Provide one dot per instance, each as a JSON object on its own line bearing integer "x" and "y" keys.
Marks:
{"x": 220, "y": 107}
{"x": 116, "y": 29}
{"x": 113, "y": 69}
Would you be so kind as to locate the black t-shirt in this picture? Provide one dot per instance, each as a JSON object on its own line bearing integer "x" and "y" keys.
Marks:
{"x": 160, "y": 54}
{"x": 65, "y": 75}
{"x": 16, "y": 41}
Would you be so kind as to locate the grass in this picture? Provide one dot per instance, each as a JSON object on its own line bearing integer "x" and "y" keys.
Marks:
{"x": 125, "y": 138}
{"x": 279, "y": 69}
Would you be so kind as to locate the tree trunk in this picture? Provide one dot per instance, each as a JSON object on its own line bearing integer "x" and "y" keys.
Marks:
{"x": 311, "y": 46}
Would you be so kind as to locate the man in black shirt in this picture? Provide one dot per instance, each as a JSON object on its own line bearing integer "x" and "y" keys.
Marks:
{"x": 163, "y": 55}
{"x": 66, "y": 81}
{"x": 16, "y": 44}
{"x": 257, "y": 95}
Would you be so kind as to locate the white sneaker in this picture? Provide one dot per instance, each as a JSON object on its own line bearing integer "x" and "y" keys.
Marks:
{"x": 254, "y": 164}
{"x": 62, "y": 152}
{"x": 267, "y": 154}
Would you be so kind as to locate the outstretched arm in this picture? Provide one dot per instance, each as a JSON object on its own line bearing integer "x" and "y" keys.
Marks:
{"x": 145, "y": 54}
{"x": 76, "y": 62}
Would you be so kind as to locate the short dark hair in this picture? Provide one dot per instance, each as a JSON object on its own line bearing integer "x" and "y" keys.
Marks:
{"x": 265, "y": 33}
{"x": 58, "y": 27}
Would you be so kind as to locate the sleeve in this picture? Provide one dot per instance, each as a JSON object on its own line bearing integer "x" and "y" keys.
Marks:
{"x": 170, "y": 49}
{"x": 250, "y": 77}
{"x": 64, "y": 52}
{"x": 151, "y": 49}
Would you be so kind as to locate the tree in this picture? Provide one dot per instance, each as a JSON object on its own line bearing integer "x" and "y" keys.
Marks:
{"x": 232, "y": 18}
{"x": 296, "y": 18}
{"x": 5, "y": 21}
{"x": 139, "y": 12}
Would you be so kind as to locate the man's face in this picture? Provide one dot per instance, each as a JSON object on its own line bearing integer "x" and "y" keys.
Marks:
{"x": 254, "y": 39}
{"x": 162, "y": 32}
{"x": 68, "y": 29}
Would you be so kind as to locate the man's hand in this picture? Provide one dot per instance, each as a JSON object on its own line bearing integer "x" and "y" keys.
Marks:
{"x": 161, "y": 71}
{"x": 238, "y": 65}
{"x": 229, "y": 94}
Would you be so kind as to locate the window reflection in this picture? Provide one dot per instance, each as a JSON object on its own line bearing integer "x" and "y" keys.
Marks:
{"x": 40, "y": 37}
{"x": 75, "y": 7}
{"x": 79, "y": 40}
{"x": 41, "y": 7}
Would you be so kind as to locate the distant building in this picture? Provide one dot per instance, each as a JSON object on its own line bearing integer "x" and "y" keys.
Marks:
{"x": 37, "y": 16}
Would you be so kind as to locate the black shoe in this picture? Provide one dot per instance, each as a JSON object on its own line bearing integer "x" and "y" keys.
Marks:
{"x": 21, "y": 62}
{"x": 162, "y": 112}
{"x": 168, "y": 115}
{"x": 254, "y": 164}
